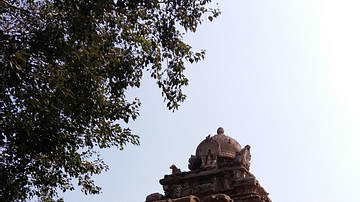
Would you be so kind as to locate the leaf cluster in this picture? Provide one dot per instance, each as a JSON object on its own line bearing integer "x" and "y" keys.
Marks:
{"x": 65, "y": 66}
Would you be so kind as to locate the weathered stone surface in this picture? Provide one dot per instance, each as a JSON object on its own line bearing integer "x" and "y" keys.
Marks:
{"x": 218, "y": 172}
{"x": 218, "y": 198}
{"x": 154, "y": 197}
{"x": 189, "y": 198}
{"x": 215, "y": 151}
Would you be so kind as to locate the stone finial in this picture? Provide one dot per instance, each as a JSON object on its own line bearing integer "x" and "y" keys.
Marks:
{"x": 220, "y": 131}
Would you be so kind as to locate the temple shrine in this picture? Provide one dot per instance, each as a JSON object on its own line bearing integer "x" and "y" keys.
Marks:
{"x": 219, "y": 172}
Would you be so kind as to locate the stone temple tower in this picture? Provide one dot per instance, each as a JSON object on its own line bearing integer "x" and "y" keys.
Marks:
{"x": 219, "y": 172}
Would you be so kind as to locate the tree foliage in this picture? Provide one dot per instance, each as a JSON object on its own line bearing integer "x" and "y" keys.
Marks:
{"x": 65, "y": 67}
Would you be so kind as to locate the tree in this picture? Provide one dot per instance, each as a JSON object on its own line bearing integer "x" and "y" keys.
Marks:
{"x": 65, "y": 67}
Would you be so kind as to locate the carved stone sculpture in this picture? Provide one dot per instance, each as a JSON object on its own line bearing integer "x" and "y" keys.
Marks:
{"x": 154, "y": 197}
{"x": 246, "y": 157}
{"x": 243, "y": 157}
{"x": 210, "y": 160}
{"x": 175, "y": 170}
{"x": 177, "y": 191}
{"x": 227, "y": 181}
{"x": 214, "y": 185}
{"x": 194, "y": 163}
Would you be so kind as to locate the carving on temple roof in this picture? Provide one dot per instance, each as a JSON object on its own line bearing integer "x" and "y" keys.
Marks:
{"x": 243, "y": 157}
{"x": 215, "y": 151}
{"x": 175, "y": 170}
{"x": 219, "y": 171}
{"x": 246, "y": 157}
{"x": 154, "y": 197}
{"x": 194, "y": 163}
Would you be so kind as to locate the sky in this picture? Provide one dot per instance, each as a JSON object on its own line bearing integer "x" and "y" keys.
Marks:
{"x": 280, "y": 76}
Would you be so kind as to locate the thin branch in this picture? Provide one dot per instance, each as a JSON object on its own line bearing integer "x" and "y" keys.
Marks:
{"x": 9, "y": 5}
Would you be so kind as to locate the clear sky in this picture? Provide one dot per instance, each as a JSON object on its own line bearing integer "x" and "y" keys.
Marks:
{"x": 281, "y": 76}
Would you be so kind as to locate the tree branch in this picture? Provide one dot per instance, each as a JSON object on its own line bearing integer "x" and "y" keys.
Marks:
{"x": 9, "y": 5}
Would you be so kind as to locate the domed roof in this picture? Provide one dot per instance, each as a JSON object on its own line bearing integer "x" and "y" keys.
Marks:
{"x": 220, "y": 145}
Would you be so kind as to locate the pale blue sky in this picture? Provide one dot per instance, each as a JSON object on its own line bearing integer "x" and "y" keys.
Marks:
{"x": 281, "y": 76}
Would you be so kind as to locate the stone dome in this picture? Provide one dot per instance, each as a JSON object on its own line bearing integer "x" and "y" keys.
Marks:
{"x": 220, "y": 145}
{"x": 228, "y": 145}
